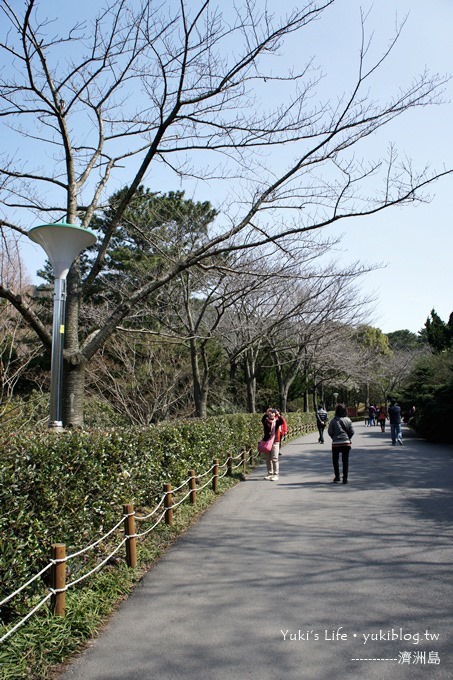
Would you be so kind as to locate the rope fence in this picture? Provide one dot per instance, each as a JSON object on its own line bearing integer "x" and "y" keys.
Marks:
{"x": 58, "y": 564}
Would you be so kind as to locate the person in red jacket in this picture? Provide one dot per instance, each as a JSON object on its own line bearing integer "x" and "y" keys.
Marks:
{"x": 275, "y": 427}
{"x": 382, "y": 417}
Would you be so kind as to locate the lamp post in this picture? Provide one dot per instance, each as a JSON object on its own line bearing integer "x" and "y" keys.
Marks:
{"x": 335, "y": 396}
{"x": 62, "y": 243}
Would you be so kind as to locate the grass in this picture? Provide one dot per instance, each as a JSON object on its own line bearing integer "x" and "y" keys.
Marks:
{"x": 38, "y": 649}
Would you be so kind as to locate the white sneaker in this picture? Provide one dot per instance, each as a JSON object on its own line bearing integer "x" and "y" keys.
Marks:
{"x": 274, "y": 478}
{"x": 269, "y": 477}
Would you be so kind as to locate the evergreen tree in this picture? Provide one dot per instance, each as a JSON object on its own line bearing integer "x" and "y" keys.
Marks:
{"x": 439, "y": 333}
{"x": 405, "y": 340}
{"x": 156, "y": 230}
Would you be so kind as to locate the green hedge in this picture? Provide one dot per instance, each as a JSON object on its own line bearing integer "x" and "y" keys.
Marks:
{"x": 433, "y": 416}
{"x": 70, "y": 487}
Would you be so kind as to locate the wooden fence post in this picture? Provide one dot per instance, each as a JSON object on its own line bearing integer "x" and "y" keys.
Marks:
{"x": 192, "y": 487}
{"x": 244, "y": 461}
{"x": 129, "y": 531}
{"x": 215, "y": 477}
{"x": 230, "y": 466}
{"x": 168, "y": 504}
{"x": 251, "y": 457}
{"x": 59, "y": 579}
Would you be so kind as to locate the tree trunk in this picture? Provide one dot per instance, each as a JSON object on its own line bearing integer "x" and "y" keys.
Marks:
{"x": 282, "y": 386}
{"x": 200, "y": 383}
{"x": 367, "y": 394}
{"x": 73, "y": 394}
{"x": 250, "y": 380}
{"x": 234, "y": 396}
{"x": 283, "y": 393}
{"x": 251, "y": 395}
{"x": 74, "y": 363}
{"x": 201, "y": 402}
{"x": 284, "y": 401}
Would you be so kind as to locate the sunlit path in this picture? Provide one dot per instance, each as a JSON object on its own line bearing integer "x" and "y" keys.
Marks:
{"x": 301, "y": 578}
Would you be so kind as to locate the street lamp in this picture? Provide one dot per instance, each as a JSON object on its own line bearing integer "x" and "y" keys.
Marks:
{"x": 335, "y": 396}
{"x": 62, "y": 243}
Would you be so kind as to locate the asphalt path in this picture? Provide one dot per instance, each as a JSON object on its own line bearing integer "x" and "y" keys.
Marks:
{"x": 301, "y": 578}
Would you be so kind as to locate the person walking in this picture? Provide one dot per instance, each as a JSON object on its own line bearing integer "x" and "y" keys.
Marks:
{"x": 371, "y": 415}
{"x": 274, "y": 427}
{"x": 341, "y": 432}
{"x": 382, "y": 417}
{"x": 321, "y": 422}
{"x": 395, "y": 422}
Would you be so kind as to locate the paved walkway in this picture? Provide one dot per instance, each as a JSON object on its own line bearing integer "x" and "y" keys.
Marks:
{"x": 301, "y": 578}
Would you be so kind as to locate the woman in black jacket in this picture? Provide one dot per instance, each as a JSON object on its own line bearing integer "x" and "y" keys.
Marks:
{"x": 341, "y": 432}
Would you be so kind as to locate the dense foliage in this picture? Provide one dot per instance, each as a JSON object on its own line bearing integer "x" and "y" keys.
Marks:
{"x": 430, "y": 390}
{"x": 71, "y": 488}
{"x": 438, "y": 332}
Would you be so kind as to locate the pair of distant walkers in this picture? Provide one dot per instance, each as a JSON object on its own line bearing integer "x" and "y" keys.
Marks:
{"x": 340, "y": 431}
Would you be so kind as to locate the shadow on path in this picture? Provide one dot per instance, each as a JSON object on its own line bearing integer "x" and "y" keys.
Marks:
{"x": 306, "y": 558}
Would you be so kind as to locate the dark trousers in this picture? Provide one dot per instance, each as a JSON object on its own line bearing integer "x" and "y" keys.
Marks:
{"x": 321, "y": 429}
{"x": 344, "y": 450}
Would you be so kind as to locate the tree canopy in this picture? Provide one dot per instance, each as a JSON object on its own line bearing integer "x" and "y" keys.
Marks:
{"x": 197, "y": 90}
{"x": 439, "y": 333}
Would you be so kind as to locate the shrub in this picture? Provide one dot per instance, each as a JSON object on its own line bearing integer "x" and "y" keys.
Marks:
{"x": 430, "y": 389}
{"x": 71, "y": 487}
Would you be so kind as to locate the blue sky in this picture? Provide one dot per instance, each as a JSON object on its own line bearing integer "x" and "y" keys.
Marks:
{"x": 414, "y": 243}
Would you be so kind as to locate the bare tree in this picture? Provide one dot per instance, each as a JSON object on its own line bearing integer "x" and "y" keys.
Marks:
{"x": 315, "y": 311}
{"x": 257, "y": 309}
{"x": 147, "y": 87}
{"x": 244, "y": 335}
{"x": 393, "y": 370}
{"x": 17, "y": 351}
{"x": 329, "y": 364}
{"x": 12, "y": 270}
{"x": 204, "y": 298}
{"x": 18, "y": 345}
{"x": 142, "y": 377}
{"x": 270, "y": 294}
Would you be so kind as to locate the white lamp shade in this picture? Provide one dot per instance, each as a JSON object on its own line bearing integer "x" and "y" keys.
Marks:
{"x": 62, "y": 243}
